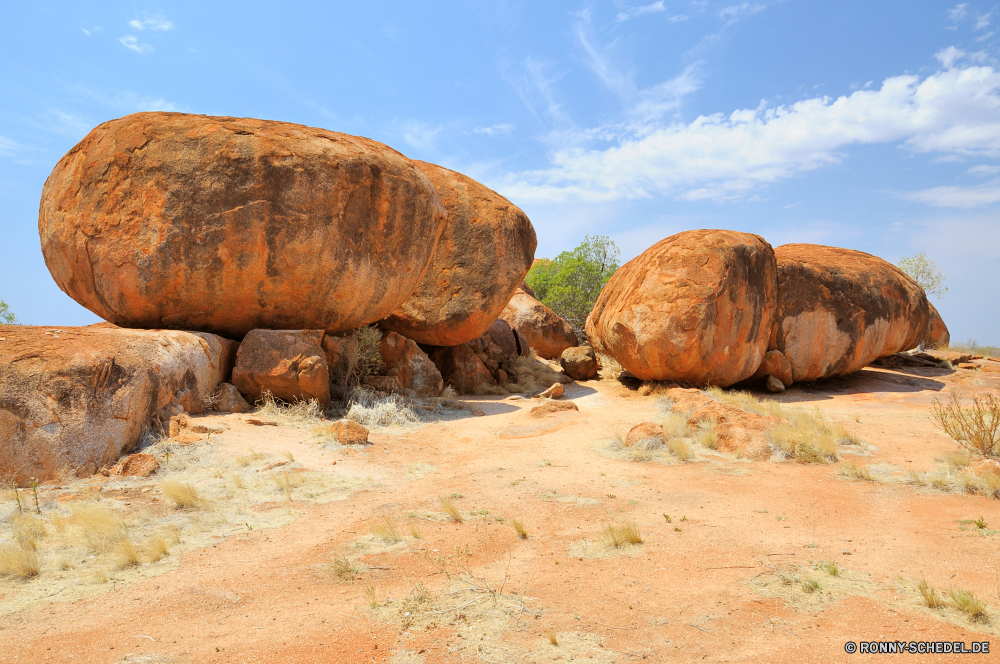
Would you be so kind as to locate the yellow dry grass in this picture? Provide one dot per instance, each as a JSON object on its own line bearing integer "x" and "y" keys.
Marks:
{"x": 182, "y": 495}
{"x": 618, "y": 535}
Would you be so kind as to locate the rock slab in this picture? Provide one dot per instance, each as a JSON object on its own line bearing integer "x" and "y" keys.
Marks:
{"x": 486, "y": 248}
{"x": 75, "y": 399}
{"x": 170, "y": 220}
{"x": 696, "y": 307}
{"x": 403, "y": 360}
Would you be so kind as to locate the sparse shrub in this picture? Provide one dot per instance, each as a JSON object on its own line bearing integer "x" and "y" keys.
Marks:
{"x": 300, "y": 413}
{"x": 624, "y": 534}
{"x": 967, "y": 602}
{"x": 344, "y": 569}
{"x": 182, "y": 495}
{"x": 369, "y": 340}
{"x": 831, "y": 568}
{"x": 19, "y": 562}
{"x": 976, "y": 428}
{"x": 519, "y": 528}
{"x": 27, "y": 530}
{"x": 373, "y": 411}
{"x": 450, "y": 509}
{"x": 7, "y": 316}
{"x": 927, "y": 275}
{"x": 386, "y": 530}
{"x": 811, "y": 586}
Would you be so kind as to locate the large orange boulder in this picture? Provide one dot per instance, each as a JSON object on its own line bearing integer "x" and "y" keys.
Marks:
{"x": 840, "y": 309}
{"x": 696, "y": 308}
{"x": 485, "y": 250}
{"x": 938, "y": 335}
{"x": 169, "y": 220}
{"x": 290, "y": 364}
{"x": 74, "y": 399}
{"x": 546, "y": 332}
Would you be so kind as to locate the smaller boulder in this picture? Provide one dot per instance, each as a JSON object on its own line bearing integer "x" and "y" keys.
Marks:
{"x": 647, "y": 435}
{"x": 345, "y": 432}
{"x": 545, "y": 330}
{"x": 555, "y": 391}
{"x": 463, "y": 369}
{"x": 579, "y": 362}
{"x": 227, "y": 399}
{"x": 552, "y": 407}
{"x": 403, "y": 360}
{"x": 290, "y": 364}
{"x": 386, "y": 385}
{"x": 938, "y": 335}
{"x": 775, "y": 364}
{"x": 774, "y": 385}
{"x": 137, "y": 465}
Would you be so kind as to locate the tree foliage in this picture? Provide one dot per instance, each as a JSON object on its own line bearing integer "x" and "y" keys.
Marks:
{"x": 7, "y": 316}
{"x": 570, "y": 283}
{"x": 927, "y": 275}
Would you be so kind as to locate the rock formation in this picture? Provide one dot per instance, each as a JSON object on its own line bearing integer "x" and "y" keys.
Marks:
{"x": 76, "y": 398}
{"x": 168, "y": 220}
{"x": 937, "y": 332}
{"x": 485, "y": 250}
{"x": 839, "y": 309}
{"x": 290, "y": 364}
{"x": 403, "y": 360}
{"x": 474, "y": 367}
{"x": 545, "y": 330}
{"x": 696, "y": 307}
{"x": 579, "y": 362}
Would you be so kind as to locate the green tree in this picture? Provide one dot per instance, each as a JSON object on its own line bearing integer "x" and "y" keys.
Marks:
{"x": 570, "y": 283}
{"x": 927, "y": 275}
{"x": 7, "y": 316}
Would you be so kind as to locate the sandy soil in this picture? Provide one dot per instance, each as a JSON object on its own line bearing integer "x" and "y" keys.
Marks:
{"x": 283, "y": 564}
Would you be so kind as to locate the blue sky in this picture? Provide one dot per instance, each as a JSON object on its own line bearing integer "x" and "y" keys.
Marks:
{"x": 874, "y": 126}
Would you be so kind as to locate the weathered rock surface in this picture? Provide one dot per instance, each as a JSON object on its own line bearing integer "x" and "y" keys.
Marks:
{"x": 737, "y": 431}
{"x": 137, "y": 465}
{"x": 777, "y": 365}
{"x": 579, "y": 362}
{"x": 485, "y": 250}
{"x": 553, "y": 391}
{"x": 290, "y": 364}
{"x": 774, "y": 385}
{"x": 552, "y": 407}
{"x": 647, "y": 435}
{"x": 839, "y": 309}
{"x": 938, "y": 335}
{"x": 489, "y": 360}
{"x": 346, "y": 432}
{"x": 696, "y": 307}
{"x": 227, "y": 399}
{"x": 461, "y": 368}
{"x": 403, "y": 359}
{"x": 76, "y": 398}
{"x": 545, "y": 330}
{"x": 169, "y": 220}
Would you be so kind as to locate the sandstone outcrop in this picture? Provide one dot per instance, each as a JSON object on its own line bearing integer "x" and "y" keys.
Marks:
{"x": 227, "y": 399}
{"x": 775, "y": 365}
{"x": 76, "y": 398}
{"x": 169, "y": 220}
{"x": 461, "y": 368}
{"x": 937, "y": 332}
{"x": 737, "y": 431}
{"x": 403, "y": 360}
{"x": 838, "y": 310}
{"x": 490, "y": 360}
{"x": 290, "y": 364}
{"x": 484, "y": 252}
{"x": 648, "y": 435}
{"x": 579, "y": 362}
{"x": 545, "y": 330}
{"x": 696, "y": 307}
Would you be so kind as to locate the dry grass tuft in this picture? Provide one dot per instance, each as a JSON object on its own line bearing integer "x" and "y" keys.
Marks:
{"x": 853, "y": 471}
{"x": 386, "y": 530}
{"x": 552, "y": 637}
{"x": 967, "y": 602}
{"x": 127, "y": 553}
{"x": 99, "y": 527}
{"x": 706, "y": 436}
{"x": 519, "y": 528}
{"x": 182, "y": 495}
{"x": 930, "y": 596}
{"x": 449, "y": 508}
{"x": 831, "y": 568}
{"x": 807, "y": 438}
{"x": 415, "y": 532}
{"x": 298, "y": 414}
{"x": 371, "y": 596}
{"x": 19, "y": 562}
{"x": 28, "y": 530}
{"x": 370, "y": 410}
{"x": 624, "y": 534}
{"x": 286, "y": 481}
{"x": 344, "y": 569}
{"x": 680, "y": 448}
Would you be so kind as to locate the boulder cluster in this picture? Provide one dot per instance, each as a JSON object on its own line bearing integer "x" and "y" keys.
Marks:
{"x": 714, "y": 307}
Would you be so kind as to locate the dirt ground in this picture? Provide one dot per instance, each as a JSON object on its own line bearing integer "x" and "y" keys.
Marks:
{"x": 304, "y": 551}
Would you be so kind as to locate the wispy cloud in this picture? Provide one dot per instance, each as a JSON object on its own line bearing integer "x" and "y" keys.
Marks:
{"x": 155, "y": 22}
{"x": 984, "y": 169}
{"x": 958, "y": 12}
{"x": 7, "y": 146}
{"x": 983, "y": 20}
{"x": 734, "y": 13}
{"x": 130, "y": 42}
{"x": 495, "y": 130}
{"x": 420, "y": 135}
{"x": 727, "y": 156}
{"x": 948, "y": 56}
{"x": 957, "y": 196}
{"x": 654, "y": 8}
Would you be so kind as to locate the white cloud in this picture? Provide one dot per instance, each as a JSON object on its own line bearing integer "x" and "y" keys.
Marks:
{"x": 983, "y": 20}
{"x": 495, "y": 130}
{"x": 986, "y": 36}
{"x": 131, "y": 43}
{"x": 7, "y": 146}
{"x": 958, "y": 12}
{"x": 734, "y": 13}
{"x": 86, "y": 31}
{"x": 984, "y": 170}
{"x": 726, "y": 156}
{"x": 957, "y": 196}
{"x": 156, "y": 23}
{"x": 420, "y": 135}
{"x": 654, "y": 8}
{"x": 948, "y": 56}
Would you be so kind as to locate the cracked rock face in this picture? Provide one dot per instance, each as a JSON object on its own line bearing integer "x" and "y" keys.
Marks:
{"x": 169, "y": 220}
{"x": 840, "y": 309}
{"x": 696, "y": 307}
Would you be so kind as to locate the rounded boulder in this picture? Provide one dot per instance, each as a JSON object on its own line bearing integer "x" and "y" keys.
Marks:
{"x": 840, "y": 309}
{"x": 695, "y": 308}
{"x": 170, "y": 220}
{"x": 485, "y": 250}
